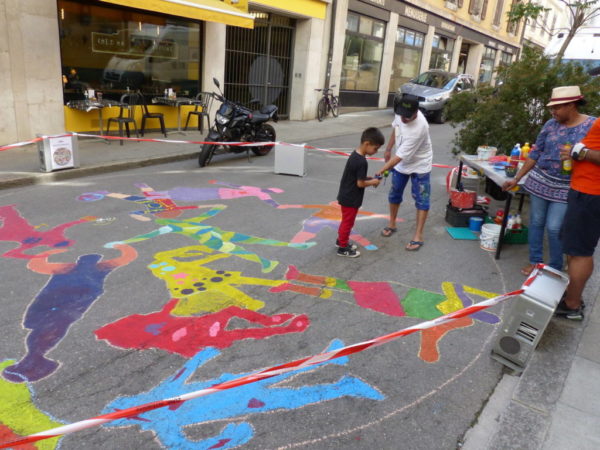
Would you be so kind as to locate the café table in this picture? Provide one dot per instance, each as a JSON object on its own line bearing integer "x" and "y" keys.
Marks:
{"x": 88, "y": 105}
{"x": 176, "y": 102}
{"x": 495, "y": 178}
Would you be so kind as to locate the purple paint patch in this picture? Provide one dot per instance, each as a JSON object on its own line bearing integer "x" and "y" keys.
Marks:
{"x": 175, "y": 406}
{"x": 154, "y": 328}
{"x": 220, "y": 444}
{"x": 255, "y": 403}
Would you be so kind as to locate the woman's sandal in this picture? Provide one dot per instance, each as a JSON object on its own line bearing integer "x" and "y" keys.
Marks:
{"x": 527, "y": 269}
{"x": 388, "y": 231}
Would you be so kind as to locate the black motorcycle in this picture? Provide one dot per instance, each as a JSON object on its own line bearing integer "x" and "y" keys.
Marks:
{"x": 235, "y": 122}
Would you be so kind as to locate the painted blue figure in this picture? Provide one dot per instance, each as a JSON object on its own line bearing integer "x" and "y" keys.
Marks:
{"x": 71, "y": 290}
{"x": 234, "y": 404}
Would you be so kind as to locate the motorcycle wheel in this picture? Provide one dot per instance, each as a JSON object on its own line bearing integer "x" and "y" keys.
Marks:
{"x": 206, "y": 154}
{"x": 335, "y": 106}
{"x": 268, "y": 133}
{"x": 321, "y": 110}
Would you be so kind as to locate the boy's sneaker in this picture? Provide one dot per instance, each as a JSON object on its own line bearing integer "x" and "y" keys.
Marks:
{"x": 350, "y": 245}
{"x": 348, "y": 251}
{"x": 572, "y": 314}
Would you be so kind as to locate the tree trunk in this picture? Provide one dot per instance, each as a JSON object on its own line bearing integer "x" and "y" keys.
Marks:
{"x": 563, "y": 49}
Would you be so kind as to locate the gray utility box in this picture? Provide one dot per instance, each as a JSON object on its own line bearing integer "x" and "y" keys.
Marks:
{"x": 58, "y": 152}
{"x": 290, "y": 159}
{"x": 523, "y": 326}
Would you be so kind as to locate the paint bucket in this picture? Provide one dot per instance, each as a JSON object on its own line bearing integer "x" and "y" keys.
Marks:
{"x": 490, "y": 235}
{"x": 475, "y": 223}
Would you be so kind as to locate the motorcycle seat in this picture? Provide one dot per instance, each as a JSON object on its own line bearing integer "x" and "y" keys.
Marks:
{"x": 260, "y": 118}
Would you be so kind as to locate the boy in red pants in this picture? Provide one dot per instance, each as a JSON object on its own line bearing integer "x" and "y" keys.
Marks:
{"x": 352, "y": 188}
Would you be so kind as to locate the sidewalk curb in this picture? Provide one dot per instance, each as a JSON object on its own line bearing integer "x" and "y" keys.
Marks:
{"x": 44, "y": 177}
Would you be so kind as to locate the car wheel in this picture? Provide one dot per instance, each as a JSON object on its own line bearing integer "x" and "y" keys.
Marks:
{"x": 440, "y": 116}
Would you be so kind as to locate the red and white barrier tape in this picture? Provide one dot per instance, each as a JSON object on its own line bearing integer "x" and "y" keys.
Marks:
{"x": 271, "y": 372}
{"x": 232, "y": 144}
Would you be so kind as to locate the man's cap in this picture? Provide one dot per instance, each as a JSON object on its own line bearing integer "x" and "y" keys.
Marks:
{"x": 405, "y": 105}
{"x": 565, "y": 94}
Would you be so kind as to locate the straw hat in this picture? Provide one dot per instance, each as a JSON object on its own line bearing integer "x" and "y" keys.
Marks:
{"x": 565, "y": 94}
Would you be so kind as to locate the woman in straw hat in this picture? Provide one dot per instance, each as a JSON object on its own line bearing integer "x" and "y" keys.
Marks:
{"x": 546, "y": 184}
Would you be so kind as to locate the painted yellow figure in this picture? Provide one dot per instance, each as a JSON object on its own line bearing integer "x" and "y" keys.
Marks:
{"x": 201, "y": 289}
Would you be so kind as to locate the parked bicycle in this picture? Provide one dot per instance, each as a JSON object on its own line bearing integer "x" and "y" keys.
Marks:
{"x": 328, "y": 102}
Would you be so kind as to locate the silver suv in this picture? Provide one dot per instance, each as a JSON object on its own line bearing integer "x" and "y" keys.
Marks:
{"x": 434, "y": 88}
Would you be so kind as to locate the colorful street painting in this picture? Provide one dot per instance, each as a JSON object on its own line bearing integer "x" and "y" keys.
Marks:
{"x": 29, "y": 419}
{"x": 68, "y": 294}
{"x": 215, "y": 238}
{"x": 330, "y": 216}
{"x": 207, "y": 309}
{"x": 163, "y": 203}
{"x": 234, "y": 407}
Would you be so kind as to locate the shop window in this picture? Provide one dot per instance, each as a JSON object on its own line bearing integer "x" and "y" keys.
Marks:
{"x": 109, "y": 50}
{"x": 363, "y": 51}
{"x": 487, "y": 65}
{"x": 407, "y": 57}
{"x": 441, "y": 52}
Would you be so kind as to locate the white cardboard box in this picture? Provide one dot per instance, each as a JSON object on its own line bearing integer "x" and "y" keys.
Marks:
{"x": 290, "y": 159}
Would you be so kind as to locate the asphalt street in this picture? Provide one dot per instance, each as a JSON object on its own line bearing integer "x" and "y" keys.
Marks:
{"x": 156, "y": 316}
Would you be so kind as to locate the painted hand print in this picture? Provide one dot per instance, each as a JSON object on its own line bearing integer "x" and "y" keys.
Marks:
{"x": 66, "y": 297}
{"x": 235, "y": 406}
{"x": 19, "y": 416}
{"x": 330, "y": 216}
{"x": 186, "y": 336}
{"x": 17, "y": 229}
{"x": 215, "y": 238}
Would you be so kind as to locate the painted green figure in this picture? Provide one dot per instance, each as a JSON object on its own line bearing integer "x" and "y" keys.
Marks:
{"x": 215, "y": 238}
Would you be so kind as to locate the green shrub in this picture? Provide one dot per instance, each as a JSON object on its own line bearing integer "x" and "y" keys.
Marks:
{"x": 515, "y": 111}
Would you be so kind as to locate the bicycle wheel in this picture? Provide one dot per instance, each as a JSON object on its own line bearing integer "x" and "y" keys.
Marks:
{"x": 335, "y": 105}
{"x": 322, "y": 109}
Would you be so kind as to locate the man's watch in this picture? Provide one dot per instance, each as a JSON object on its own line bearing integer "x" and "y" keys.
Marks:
{"x": 579, "y": 151}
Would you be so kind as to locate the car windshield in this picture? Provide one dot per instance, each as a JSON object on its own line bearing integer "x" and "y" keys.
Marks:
{"x": 436, "y": 80}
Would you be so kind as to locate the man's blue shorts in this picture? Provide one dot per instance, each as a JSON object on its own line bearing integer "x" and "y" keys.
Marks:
{"x": 420, "y": 188}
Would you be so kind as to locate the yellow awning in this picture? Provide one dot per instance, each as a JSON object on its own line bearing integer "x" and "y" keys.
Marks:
{"x": 206, "y": 10}
{"x": 307, "y": 8}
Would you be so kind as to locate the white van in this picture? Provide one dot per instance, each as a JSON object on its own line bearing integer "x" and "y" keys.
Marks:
{"x": 584, "y": 48}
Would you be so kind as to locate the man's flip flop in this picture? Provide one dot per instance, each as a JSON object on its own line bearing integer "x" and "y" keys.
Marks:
{"x": 418, "y": 244}
{"x": 388, "y": 231}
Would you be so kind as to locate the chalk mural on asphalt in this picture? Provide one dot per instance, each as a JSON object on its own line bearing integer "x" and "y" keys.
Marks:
{"x": 237, "y": 405}
{"x": 29, "y": 419}
{"x": 330, "y": 216}
{"x": 188, "y": 335}
{"x": 162, "y": 203}
{"x": 68, "y": 294}
{"x": 418, "y": 303}
{"x": 215, "y": 238}
{"x": 17, "y": 229}
{"x": 200, "y": 288}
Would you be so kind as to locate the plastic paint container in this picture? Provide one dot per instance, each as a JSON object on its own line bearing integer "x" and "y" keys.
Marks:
{"x": 490, "y": 235}
{"x": 475, "y": 223}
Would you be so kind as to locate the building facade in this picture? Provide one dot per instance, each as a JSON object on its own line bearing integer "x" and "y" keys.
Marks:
{"x": 271, "y": 50}
{"x": 538, "y": 33}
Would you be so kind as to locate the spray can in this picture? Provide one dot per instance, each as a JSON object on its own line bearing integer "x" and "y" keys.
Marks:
{"x": 567, "y": 164}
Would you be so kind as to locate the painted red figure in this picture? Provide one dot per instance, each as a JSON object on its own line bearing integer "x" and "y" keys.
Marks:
{"x": 186, "y": 336}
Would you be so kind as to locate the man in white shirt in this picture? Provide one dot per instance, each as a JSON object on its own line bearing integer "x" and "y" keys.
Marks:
{"x": 412, "y": 161}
